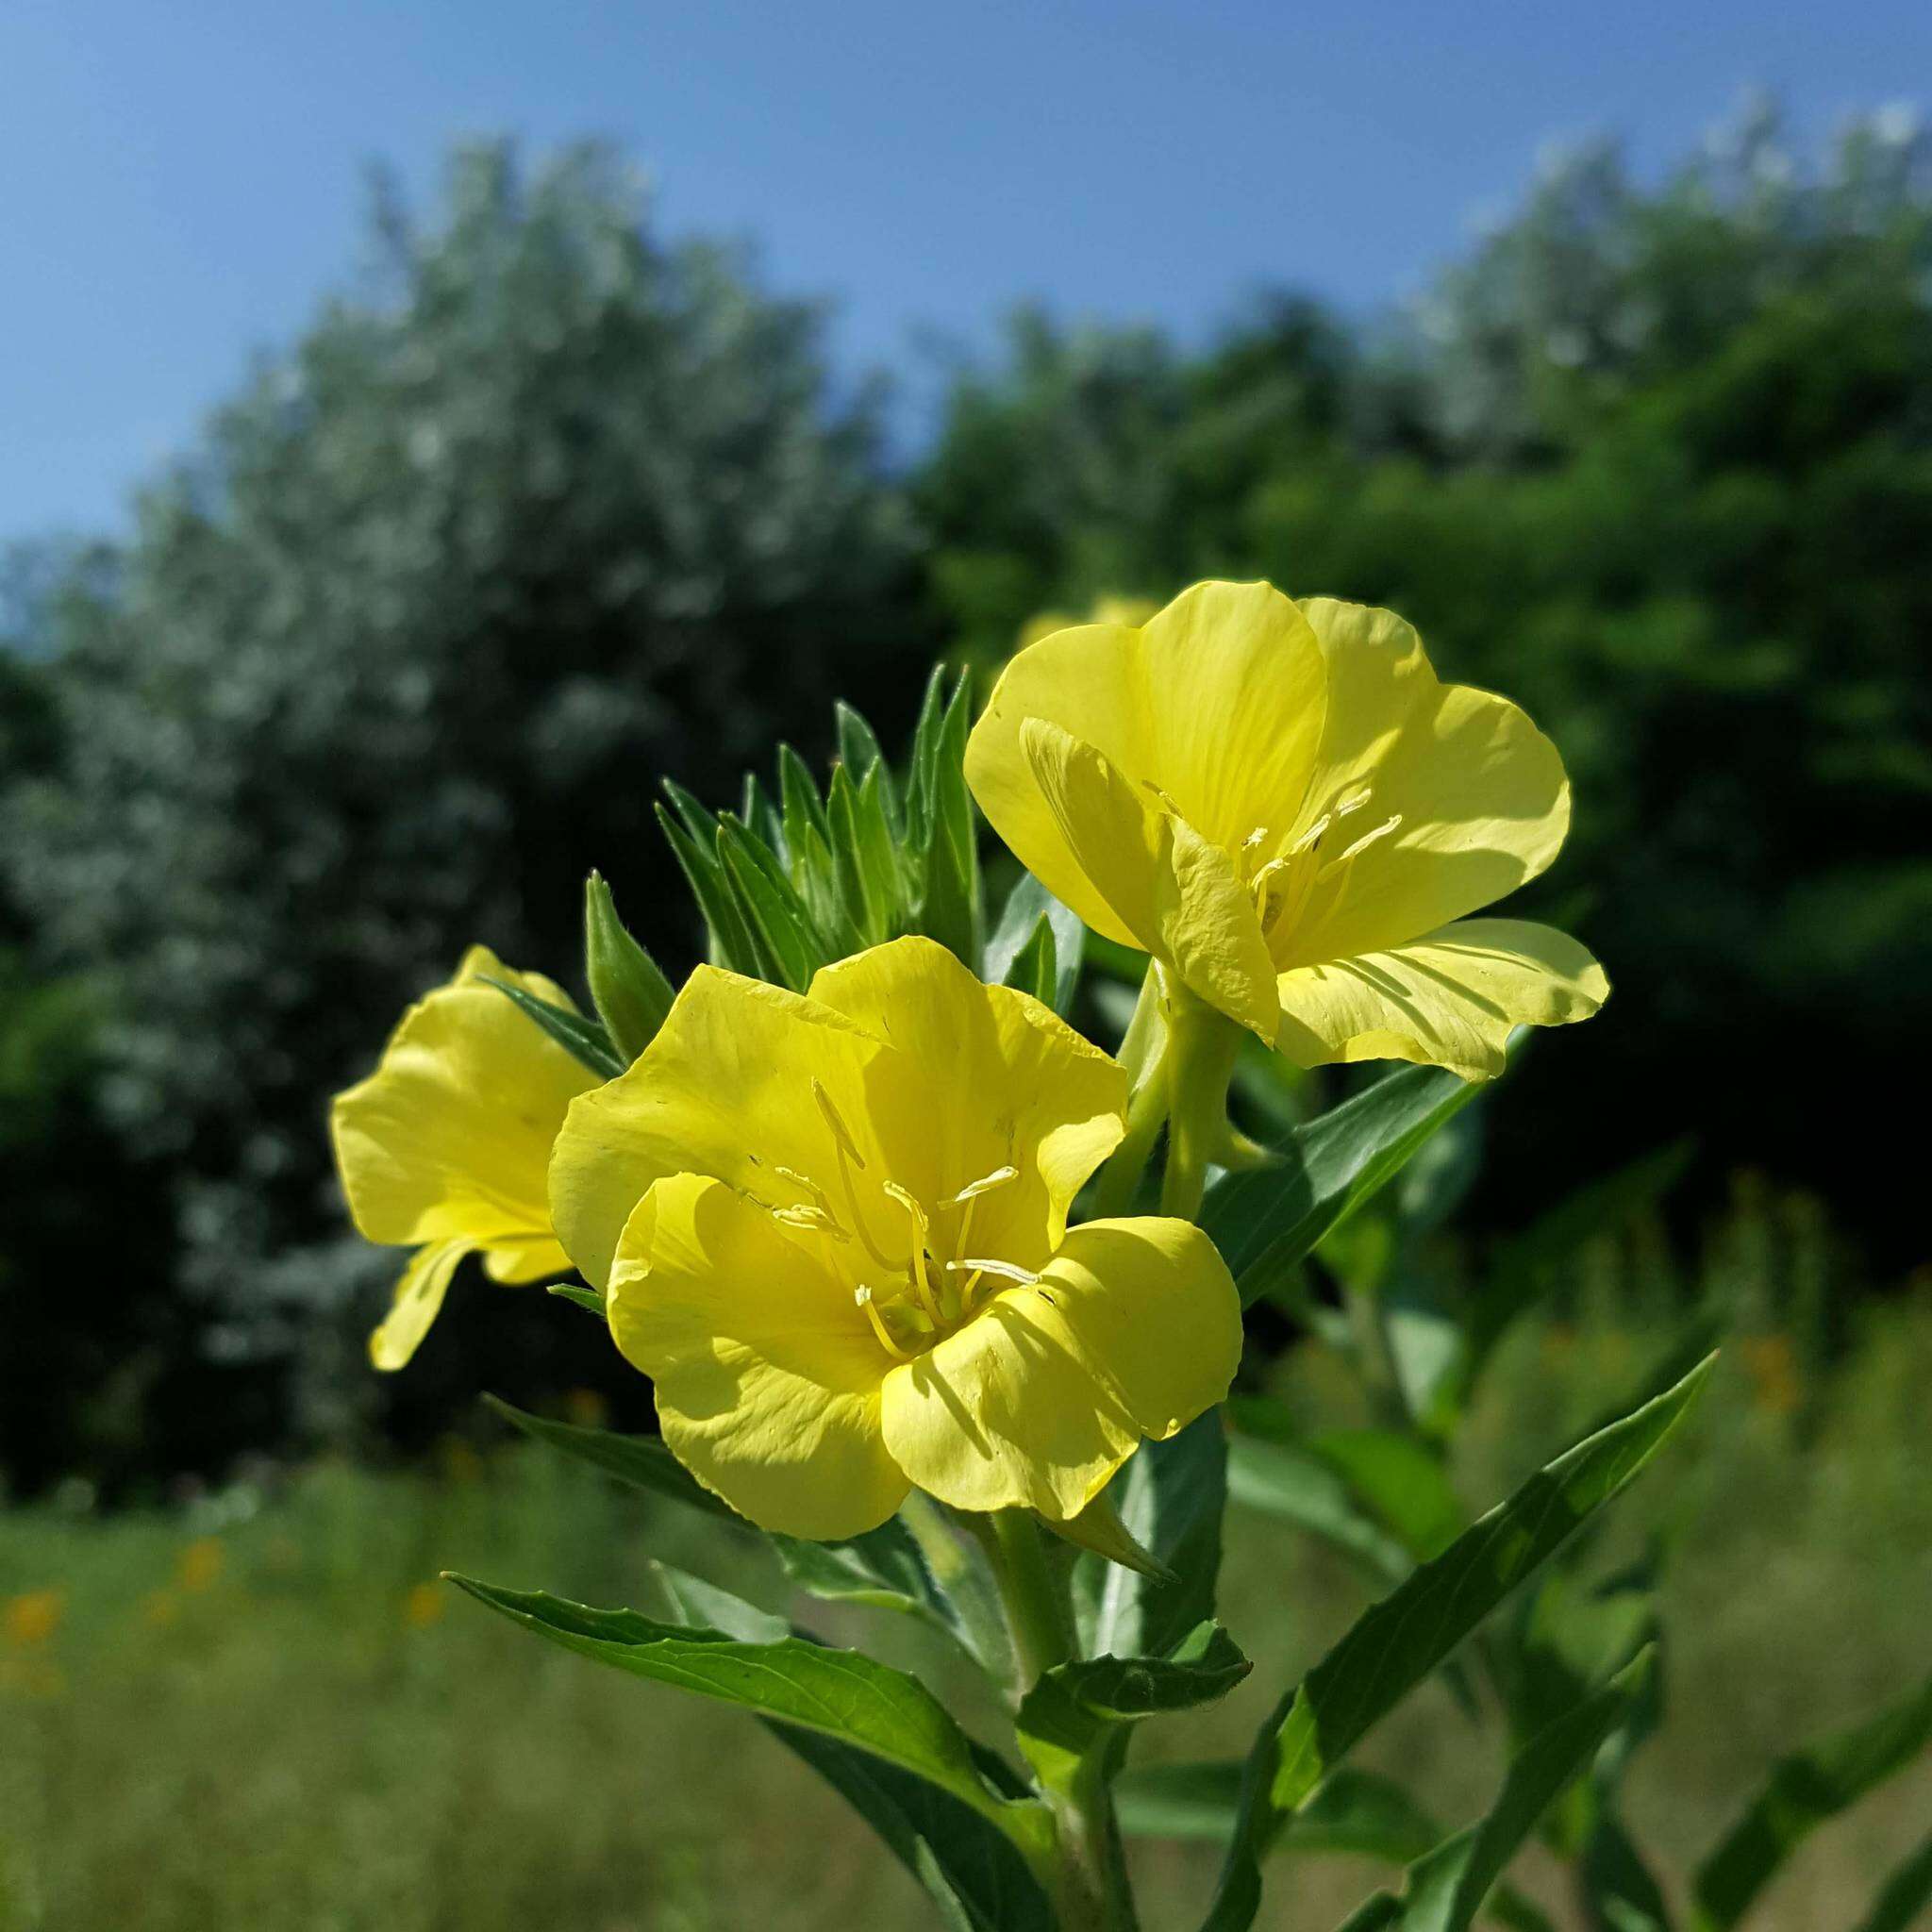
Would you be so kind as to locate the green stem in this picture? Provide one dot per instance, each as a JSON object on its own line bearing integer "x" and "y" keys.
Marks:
{"x": 1201, "y": 1048}
{"x": 1089, "y": 1882}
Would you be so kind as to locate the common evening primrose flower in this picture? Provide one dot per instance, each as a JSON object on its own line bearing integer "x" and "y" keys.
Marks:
{"x": 832, "y": 1228}
{"x": 1282, "y": 804}
{"x": 446, "y": 1146}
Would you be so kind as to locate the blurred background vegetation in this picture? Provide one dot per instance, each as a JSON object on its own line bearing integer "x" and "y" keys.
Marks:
{"x": 542, "y": 510}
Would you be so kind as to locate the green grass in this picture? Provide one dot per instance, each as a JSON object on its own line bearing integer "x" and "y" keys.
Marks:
{"x": 261, "y": 1715}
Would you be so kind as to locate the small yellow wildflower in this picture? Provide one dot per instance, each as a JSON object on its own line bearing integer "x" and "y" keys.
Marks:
{"x": 200, "y": 1565}
{"x": 1778, "y": 1385}
{"x": 445, "y": 1147}
{"x": 32, "y": 1618}
{"x": 423, "y": 1604}
{"x": 833, "y": 1230}
{"x": 1279, "y": 803}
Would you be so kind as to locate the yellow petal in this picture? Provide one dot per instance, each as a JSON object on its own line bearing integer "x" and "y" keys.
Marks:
{"x": 1446, "y": 1000}
{"x": 1091, "y": 682}
{"x": 1132, "y": 1330}
{"x": 534, "y": 1260}
{"x": 1173, "y": 893}
{"x": 1238, "y": 689}
{"x": 981, "y": 1076}
{"x": 418, "y": 1297}
{"x": 725, "y": 1089}
{"x": 1217, "y": 701}
{"x": 767, "y": 1376}
{"x": 1481, "y": 794}
{"x": 450, "y": 1137}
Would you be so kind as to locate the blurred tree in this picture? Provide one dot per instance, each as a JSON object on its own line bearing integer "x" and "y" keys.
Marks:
{"x": 548, "y": 509}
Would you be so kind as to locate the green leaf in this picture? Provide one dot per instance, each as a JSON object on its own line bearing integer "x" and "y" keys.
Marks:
{"x": 1386, "y": 1498}
{"x": 1803, "y": 1792}
{"x": 1265, "y": 1222}
{"x": 864, "y": 856}
{"x": 1170, "y": 1498}
{"x": 1903, "y": 1896}
{"x": 641, "y": 1461}
{"x": 1028, "y": 908}
{"x": 1399, "y": 1640}
{"x": 583, "y": 1038}
{"x": 840, "y": 1693}
{"x": 586, "y": 1298}
{"x": 1621, "y": 1894}
{"x": 862, "y": 755}
{"x": 730, "y": 943}
{"x": 770, "y": 906}
{"x": 1073, "y": 1712}
{"x": 1291, "y": 1482}
{"x": 977, "y": 1876}
{"x": 885, "y": 1568}
{"x": 1445, "y": 1890}
{"x": 948, "y": 889}
{"x": 627, "y": 986}
{"x": 1203, "y": 1668}
{"x": 1358, "y": 1812}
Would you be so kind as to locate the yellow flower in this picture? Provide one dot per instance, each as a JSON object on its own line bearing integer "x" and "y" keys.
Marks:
{"x": 200, "y": 1565}
{"x": 445, "y": 1146}
{"x": 423, "y": 1604}
{"x": 33, "y": 1617}
{"x": 833, "y": 1230}
{"x": 1280, "y": 803}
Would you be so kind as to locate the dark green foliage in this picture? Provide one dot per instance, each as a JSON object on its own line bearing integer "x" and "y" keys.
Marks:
{"x": 547, "y": 510}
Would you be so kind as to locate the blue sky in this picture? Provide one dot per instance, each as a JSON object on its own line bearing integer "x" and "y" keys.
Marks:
{"x": 181, "y": 179}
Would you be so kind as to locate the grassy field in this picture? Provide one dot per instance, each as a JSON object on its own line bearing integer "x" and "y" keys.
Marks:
{"x": 261, "y": 1713}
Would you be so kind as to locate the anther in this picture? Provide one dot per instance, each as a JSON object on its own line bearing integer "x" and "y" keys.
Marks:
{"x": 920, "y": 1227}
{"x": 984, "y": 1184}
{"x": 1007, "y": 1270}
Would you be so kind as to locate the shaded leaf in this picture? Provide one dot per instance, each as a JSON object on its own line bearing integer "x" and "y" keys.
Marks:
{"x": 1804, "y": 1790}
{"x": 1399, "y": 1640}
{"x": 583, "y": 1038}
{"x": 1265, "y": 1222}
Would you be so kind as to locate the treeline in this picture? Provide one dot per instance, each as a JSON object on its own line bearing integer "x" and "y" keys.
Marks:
{"x": 546, "y": 509}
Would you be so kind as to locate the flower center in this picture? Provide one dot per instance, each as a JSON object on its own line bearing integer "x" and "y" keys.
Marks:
{"x": 918, "y": 1278}
{"x": 1284, "y": 886}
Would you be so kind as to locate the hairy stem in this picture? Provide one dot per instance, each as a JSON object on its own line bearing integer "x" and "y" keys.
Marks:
{"x": 1201, "y": 1048}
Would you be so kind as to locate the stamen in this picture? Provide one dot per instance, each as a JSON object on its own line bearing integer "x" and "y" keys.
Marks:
{"x": 848, "y": 1145}
{"x": 813, "y": 1219}
{"x": 1360, "y": 845}
{"x": 819, "y": 1198}
{"x": 1166, "y": 803}
{"x": 863, "y": 1297}
{"x": 984, "y": 1184}
{"x": 1354, "y": 802}
{"x": 1312, "y": 837}
{"x": 919, "y": 1228}
{"x": 1255, "y": 838}
{"x": 1007, "y": 1270}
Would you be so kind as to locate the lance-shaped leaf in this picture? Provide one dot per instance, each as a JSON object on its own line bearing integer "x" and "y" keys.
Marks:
{"x": 1356, "y": 1811}
{"x": 1399, "y": 1640}
{"x": 1803, "y": 1792}
{"x": 1265, "y": 1222}
{"x": 627, "y": 986}
{"x": 1171, "y": 1497}
{"x": 980, "y": 1881}
{"x": 1073, "y": 1712}
{"x": 640, "y": 1461}
{"x": 840, "y": 1693}
{"x": 1444, "y": 1891}
{"x": 1031, "y": 910}
{"x": 577, "y": 1035}
{"x": 1903, "y": 1896}
{"x": 730, "y": 941}
{"x": 770, "y": 906}
{"x": 948, "y": 860}
{"x": 885, "y": 1568}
